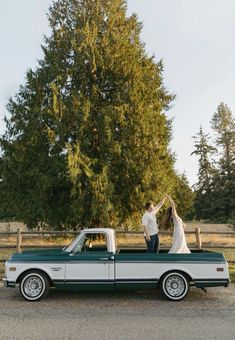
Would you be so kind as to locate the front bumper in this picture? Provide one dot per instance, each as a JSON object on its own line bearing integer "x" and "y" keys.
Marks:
{"x": 8, "y": 283}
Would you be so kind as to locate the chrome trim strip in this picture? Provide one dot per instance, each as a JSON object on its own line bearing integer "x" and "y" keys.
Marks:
{"x": 100, "y": 261}
{"x": 64, "y": 262}
{"x": 108, "y": 281}
{"x": 136, "y": 281}
{"x": 88, "y": 282}
{"x": 220, "y": 281}
{"x": 165, "y": 262}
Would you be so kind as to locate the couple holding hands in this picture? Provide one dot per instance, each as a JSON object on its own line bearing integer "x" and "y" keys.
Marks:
{"x": 150, "y": 226}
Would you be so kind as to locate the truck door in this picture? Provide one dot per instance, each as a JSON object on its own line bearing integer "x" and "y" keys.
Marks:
{"x": 90, "y": 266}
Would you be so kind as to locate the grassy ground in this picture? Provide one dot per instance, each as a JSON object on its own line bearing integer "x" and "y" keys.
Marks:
{"x": 230, "y": 256}
{"x": 232, "y": 272}
{"x": 4, "y": 255}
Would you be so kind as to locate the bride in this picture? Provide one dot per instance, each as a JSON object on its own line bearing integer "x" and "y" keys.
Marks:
{"x": 179, "y": 242}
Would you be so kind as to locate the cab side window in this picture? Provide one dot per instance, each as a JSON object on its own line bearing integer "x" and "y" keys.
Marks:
{"x": 95, "y": 242}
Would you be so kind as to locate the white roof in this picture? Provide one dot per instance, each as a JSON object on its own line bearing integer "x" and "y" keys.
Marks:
{"x": 97, "y": 230}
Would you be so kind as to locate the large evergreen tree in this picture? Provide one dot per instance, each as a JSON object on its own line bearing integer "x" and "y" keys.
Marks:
{"x": 87, "y": 138}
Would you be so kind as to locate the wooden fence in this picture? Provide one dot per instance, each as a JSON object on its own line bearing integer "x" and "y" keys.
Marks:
{"x": 20, "y": 234}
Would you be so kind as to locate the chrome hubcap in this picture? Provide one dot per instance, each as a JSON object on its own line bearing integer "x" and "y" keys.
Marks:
{"x": 175, "y": 285}
{"x": 33, "y": 286}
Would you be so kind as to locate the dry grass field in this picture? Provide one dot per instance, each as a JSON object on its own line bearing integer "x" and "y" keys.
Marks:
{"x": 129, "y": 239}
{"x": 11, "y": 226}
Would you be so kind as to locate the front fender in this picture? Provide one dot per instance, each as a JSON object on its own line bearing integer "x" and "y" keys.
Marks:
{"x": 54, "y": 271}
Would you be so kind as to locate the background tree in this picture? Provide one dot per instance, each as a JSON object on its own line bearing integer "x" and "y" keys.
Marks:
{"x": 215, "y": 189}
{"x": 184, "y": 195}
{"x": 203, "y": 203}
{"x": 223, "y": 124}
{"x": 87, "y": 141}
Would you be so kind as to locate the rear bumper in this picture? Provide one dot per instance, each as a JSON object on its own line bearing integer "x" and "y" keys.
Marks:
{"x": 227, "y": 283}
{"x": 199, "y": 283}
{"x": 8, "y": 283}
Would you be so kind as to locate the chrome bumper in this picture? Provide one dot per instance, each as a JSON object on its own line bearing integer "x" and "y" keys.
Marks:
{"x": 8, "y": 283}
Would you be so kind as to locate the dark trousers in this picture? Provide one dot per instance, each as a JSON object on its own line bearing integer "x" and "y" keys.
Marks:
{"x": 153, "y": 244}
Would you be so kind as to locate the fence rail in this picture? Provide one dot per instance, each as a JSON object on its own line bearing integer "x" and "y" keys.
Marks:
{"x": 198, "y": 239}
{"x": 71, "y": 232}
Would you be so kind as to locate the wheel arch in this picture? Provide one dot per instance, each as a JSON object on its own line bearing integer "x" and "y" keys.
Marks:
{"x": 180, "y": 271}
{"x": 34, "y": 270}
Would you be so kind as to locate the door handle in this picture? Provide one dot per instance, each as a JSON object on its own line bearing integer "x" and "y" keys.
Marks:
{"x": 104, "y": 259}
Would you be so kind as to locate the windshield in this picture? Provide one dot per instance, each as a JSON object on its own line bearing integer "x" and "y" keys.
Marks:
{"x": 71, "y": 244}
{"x": 88, "y": 242}
{"x": 79, "y": 244}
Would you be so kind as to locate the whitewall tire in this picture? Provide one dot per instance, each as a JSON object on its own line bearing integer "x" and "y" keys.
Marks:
{"x": 34, "y": 286}
{"x": 175, "y": 286}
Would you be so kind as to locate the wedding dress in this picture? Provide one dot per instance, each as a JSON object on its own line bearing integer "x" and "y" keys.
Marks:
{"x": 179, "y": 242}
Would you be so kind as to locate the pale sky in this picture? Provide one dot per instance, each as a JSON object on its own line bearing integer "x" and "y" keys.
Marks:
{"x": 195, "y": 39}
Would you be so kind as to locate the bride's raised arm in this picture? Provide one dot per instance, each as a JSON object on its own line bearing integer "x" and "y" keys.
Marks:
{"x": 159, "y": 205}
{"x": 174, "y": 212}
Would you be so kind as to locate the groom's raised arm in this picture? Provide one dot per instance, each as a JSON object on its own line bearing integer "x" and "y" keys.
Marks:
{"x": 159, "y": 205}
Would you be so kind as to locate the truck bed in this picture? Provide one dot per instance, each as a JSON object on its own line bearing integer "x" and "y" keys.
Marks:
{"x": 161, "y": 251}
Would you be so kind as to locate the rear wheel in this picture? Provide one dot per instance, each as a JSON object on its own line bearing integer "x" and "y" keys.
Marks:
{"x": 34, "y": 286}
{"x": 175, "y": 286}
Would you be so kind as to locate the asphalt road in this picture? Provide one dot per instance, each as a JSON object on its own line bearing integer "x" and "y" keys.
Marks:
{"x": 124, "y": 315}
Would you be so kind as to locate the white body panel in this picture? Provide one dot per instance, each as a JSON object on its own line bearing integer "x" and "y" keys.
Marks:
{"x": 88, "y": 271}
{"x": 105, "y": 271}
{"x": 156, "y": 270}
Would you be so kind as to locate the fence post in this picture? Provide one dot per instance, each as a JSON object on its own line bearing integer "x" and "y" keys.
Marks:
{"x": 8, "y": 226}
{"x": 198, "y": 238}
{"x": 18, "y": 240}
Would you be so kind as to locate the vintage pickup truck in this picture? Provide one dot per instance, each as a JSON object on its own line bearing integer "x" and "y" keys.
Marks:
{"x": 92, "y": 262}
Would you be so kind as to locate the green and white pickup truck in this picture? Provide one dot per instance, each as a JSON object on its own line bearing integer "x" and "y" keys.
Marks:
{"x": 92, "y": 262}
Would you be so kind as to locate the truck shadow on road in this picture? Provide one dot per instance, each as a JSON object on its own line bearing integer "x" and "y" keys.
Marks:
{"x": 215, "y": 295}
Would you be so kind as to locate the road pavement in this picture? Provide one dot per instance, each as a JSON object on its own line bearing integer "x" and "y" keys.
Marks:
{"x": 123, "y": 315}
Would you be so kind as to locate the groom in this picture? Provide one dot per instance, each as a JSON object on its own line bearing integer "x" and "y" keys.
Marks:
{"x": 150, "y": 226}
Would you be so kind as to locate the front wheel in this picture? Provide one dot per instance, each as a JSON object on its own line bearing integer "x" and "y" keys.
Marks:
{"x": 175, "y": 286}
{"x": 34, "y": 286}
